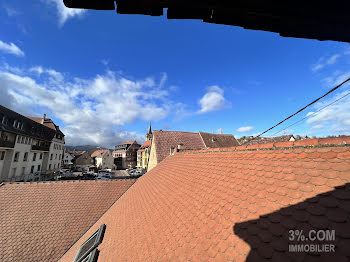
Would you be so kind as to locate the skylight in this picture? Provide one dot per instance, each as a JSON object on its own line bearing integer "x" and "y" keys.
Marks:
{"x": 88, "y": 250}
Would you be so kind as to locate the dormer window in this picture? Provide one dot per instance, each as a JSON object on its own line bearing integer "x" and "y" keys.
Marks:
{"x": 4, "y": 120}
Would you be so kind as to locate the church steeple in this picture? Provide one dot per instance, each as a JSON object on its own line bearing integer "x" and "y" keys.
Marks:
{"x": 149, "y": 132}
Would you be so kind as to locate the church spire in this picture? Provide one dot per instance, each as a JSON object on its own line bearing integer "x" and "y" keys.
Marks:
{"x": 149, "y": 128}
{"x": 149, "y": 132}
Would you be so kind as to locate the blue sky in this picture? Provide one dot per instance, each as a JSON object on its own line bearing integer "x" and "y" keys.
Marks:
{"x": 102, "y": 77}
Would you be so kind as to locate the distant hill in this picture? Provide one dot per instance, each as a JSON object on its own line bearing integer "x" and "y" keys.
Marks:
{"x": 84, "y": 148}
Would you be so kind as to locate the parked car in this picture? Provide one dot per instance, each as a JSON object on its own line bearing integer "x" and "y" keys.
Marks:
{"x": 131, "y": 170}
{"x": 103, "y": 177}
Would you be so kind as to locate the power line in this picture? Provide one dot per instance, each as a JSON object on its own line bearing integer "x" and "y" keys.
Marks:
{"x": 313, "y": 113}
{"x": 302, "y": 109}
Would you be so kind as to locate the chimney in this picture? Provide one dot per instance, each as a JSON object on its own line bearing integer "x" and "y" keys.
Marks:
{"x": 44, "y": 116}
{"x": 172, "y": 150}
{"x": 221, "y": 131}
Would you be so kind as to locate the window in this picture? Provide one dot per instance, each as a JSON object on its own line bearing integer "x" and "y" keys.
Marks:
{"x": 22, "y": 139}
{"x": 41, "y": 155}
{"x": 14, "y": 123}
{"x": 32, "y": 169}
{"x": 59, "y": 157}
{"x": 25, "y": 158}
{"x": 16, "y": 157}
{"x": 19, "y": 139}
{"x": 34, "y": 157}
{"x": 39, "y": 167}
{"x": 54, "y": 166}
{"x": 2, "y": 155}
{"x": 27, "y": 139}
{"x": 56, "y": 156}
{"x": 87, "y": 251}
{"x": 50, "y": 167}
{"x": 58, "y": 165}
{"x": 51, "y": 156}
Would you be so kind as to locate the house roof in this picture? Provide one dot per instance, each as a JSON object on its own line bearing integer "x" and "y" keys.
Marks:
{"x": 146, "y": 144}
{"x": 164, "y": 140}
{"x": 99, "y": 153}
{"x": 129, "y": 142}
{"x": 265, "y": 140}
{"x": 40, "y": 221}
{"x": 30, "y": 127}
{"x": 48, "y": 122}
{"x": 235, "y": 204}
{"x": 218, "y": 140}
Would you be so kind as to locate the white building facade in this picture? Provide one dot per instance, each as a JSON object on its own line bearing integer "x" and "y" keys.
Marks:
{"x": 103, "y": 159}
{"x": 26, "y": 147}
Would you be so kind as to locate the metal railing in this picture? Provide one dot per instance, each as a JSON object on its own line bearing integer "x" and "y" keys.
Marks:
{"x": 44, "y": 148}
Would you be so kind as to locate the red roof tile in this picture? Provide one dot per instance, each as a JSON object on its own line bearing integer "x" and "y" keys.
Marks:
{"x": 218, "y": 140}
{"x": 99, "y": 153}
{"x": 129, "y": 142}
{"x": 48, "y": 122}
{"x": 40, "y": 221}
{"x": 234, "y": 205}
{"x": 164, "y": 140}
{"x": 265, "y": 140}
{"x": 146, "y": 144}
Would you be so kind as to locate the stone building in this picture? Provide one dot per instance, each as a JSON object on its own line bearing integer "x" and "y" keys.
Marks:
{"x": 125, "y": 155}
{"x": 31, "y": 149}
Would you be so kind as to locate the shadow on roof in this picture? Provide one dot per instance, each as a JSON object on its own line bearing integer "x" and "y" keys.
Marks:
{"x": 275, "y": 235}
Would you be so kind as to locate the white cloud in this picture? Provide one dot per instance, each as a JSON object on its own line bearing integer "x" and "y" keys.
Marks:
{"x": 322, "y": 62}
{"x": 337, "y": 78}
{"x": 11, "y": 48}
{"x": 334, "y": 119}
{"x": 244, "y": 129}
{"x": 332, "y": 59}
{"x": 10, "y": 11}
{"x": 92, "y": 111}
{"x": 65, "y": 13}
{"x": 213, "y": 100}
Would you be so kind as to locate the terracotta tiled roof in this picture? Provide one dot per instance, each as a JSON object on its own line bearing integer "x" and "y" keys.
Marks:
{"x": 99, "y": 153}
{"x": 266, "y": 140}
{"x": 233, "y": 205}
{"x": 129, "y": 142}
{"x": 146, "y": 144}
{"x": 164, "y": 140}
{"x": 48, "y": 122}
{"x": 218, "y": 140}
{"x": 40, "y": 221}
